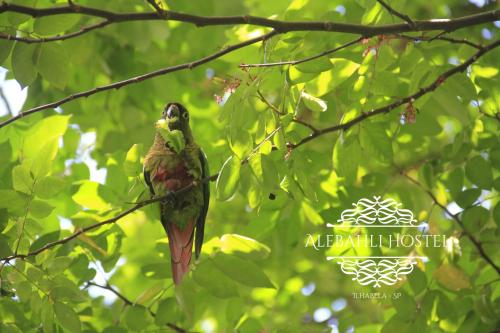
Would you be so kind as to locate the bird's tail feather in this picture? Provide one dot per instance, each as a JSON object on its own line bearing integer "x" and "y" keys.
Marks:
{"x": 181, "y": 248}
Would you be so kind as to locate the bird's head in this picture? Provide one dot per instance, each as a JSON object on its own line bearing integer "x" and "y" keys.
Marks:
{"x": 176, "y": 116}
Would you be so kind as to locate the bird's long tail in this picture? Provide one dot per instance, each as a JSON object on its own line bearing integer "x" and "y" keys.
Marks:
{"x": 181, "y": 248}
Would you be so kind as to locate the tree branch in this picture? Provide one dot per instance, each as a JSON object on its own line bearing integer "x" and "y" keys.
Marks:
{"x": 140, "y": 78}
{"x": 455, "y": 217}
{"x": 113, "y": 290}
{"x": 296, "y": 62}
{"x": 388, "y": 108}
{"x": 394, "y": 12}
{"x": 279, "y": 26}
{"x": 30, "y": 40}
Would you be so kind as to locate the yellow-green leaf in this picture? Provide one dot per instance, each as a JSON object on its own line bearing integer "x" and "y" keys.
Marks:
{"x": 451, "y": 277}
{"x": 228, "y": 179}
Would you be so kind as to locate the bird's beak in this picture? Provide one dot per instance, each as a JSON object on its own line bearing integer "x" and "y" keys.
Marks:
{"x": 173, "y": 111}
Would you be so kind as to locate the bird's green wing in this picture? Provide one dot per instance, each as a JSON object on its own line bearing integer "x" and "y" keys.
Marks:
{"x": 200, "y": 223}
{"x": 147, "y": 179}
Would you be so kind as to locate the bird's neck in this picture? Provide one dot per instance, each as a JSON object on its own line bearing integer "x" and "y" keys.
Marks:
{"x": 188, "y": 136}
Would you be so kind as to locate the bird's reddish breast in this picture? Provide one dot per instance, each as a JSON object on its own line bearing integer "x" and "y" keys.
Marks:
{"x": 174, "y": 178}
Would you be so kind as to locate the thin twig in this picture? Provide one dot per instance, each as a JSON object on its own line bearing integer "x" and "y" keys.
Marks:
{"x": 455, "y": 217}
{"x": 113, "y": 290}
{"x": 296, "y": 62}
{"x": 394, "y": 12}
{"x": 444, "y": 38}
{"x": 31, "y": 40}
{"x": 281, "y": 114}
{"x": 140, "y": 78}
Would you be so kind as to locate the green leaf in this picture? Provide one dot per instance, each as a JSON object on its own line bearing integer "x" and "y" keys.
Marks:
{"x": 67, "y": 293}
{"x": 167, "y": 312}
{"x": 462, "y": 86}
{"x": 23, "y": 290}
{"x": 49, "y": 186}
{"x": 67, "y": 317}
{"x": 496, "y": 215}
{"x": 23, "y": 63}
{"x": 475, "y": 218}
{"x": 174, "y": 138}
{"x": 418, "y": 281}
{"x": 244, "y": 246}
{"x": 45, "y": 130}
{"x": 375, "y": 141}
{"x": 58, "y": 265}
{"x": 40, "y": 209}
{"x": 53, "y": 64}
{"x": 21, "y": 179}
{"x": 316, "y": 66}
{"x": 115, "y": 329}
{"x": 155, "y": 270}
{"x": 88, "y": 196}
{"x": 132, "y": 164}
{"x": 311, "y": 214}
{"x": 228, "y": 179}
{"x": 452, "y": 278}
{"x": 255, "y": 162}
{"x": 48, "y": 26}
{"x": 136, "y": 317}
{"x": 468, "y": 197}
{"x": 454, "y": 181}
{"x": 4, "y": 219}
{"x": 346, "y": 157}
{"x": 12, "y": 200}
{"x": 5, "y": 249}
{"x": 405, "y": 306}
{"x": 249, "y": 325}
{"x": 240, "y": 141}
{"x": 242, "y": 271}
{"x": 478, "y": 171}
{"x": 43, "y": 160}
{"x": 47, "y": 316}
{"x": 5, "y": 48}
{"x": 216, "y": 282}
{"x": 313, "y": 103}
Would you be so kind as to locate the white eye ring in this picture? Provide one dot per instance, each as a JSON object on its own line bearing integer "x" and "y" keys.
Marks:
{"x": 185, "y": 115}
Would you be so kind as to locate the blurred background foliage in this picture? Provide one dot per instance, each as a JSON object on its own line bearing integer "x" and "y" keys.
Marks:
{"x": 73, "y": 167}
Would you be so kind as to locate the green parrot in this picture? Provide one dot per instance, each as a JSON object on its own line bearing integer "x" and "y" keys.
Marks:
{"x": 173, "y": 162}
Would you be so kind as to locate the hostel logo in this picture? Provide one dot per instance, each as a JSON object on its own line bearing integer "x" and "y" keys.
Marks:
{"x": 376, "y": 226}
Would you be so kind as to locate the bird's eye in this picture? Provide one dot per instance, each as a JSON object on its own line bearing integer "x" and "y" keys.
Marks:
{"x": 185, "y": 115}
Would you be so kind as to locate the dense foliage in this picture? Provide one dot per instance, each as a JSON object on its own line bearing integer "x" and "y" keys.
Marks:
{"x": 280, "y": 174}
